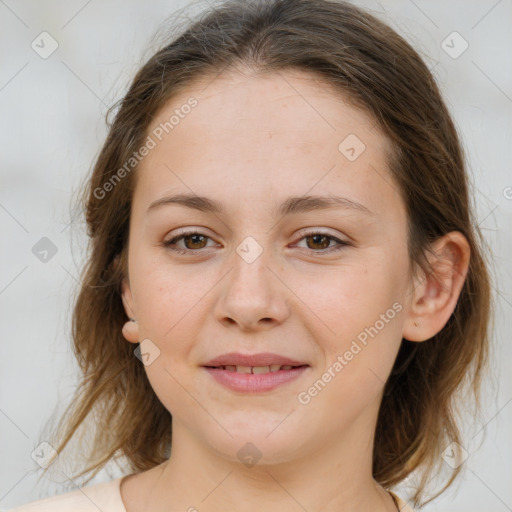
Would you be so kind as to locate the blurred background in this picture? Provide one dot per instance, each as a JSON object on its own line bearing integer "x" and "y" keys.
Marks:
{"x": 64, "y": 63}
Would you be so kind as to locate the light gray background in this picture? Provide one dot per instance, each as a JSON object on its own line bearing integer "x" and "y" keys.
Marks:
{"x": 52, "y": 126}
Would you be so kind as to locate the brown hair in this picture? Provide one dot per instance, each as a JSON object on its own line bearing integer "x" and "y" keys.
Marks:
{"x": 377, "y": 70}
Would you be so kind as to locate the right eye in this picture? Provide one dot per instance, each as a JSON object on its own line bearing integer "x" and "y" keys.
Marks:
{"x": 193, "y": 239}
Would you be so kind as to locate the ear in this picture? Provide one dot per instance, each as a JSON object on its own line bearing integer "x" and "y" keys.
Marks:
{"x": 130, "y": 328}
{"x": 435, "y": 294}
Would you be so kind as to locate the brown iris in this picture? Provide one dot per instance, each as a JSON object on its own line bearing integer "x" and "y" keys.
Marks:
{"x": 197, "y": 241}
{"x": 323, "y": 240}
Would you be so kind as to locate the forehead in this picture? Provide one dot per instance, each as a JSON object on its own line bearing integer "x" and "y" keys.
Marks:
{"x": 287, "y": 131}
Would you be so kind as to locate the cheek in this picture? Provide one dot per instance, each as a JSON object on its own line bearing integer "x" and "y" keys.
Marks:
{"x": 358, "y": 360}
{"x": 347, "y": 299}
{"x": 361, "y": 313}
{"x": 166, "y": 297}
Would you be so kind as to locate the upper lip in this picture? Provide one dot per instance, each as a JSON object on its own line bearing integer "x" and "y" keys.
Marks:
{"x": 262, "y": 359}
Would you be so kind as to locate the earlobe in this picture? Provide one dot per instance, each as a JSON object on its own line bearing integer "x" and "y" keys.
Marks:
{"x": 131, "y": 331}
{"x": 435, "y": 295}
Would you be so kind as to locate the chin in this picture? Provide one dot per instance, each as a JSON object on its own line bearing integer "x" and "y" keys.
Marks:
{"x": 259, "y": 440}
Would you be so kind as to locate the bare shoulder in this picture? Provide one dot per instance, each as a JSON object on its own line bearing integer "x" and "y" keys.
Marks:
{"x": 104, "y": 496}
{"x": 135, "y": 489}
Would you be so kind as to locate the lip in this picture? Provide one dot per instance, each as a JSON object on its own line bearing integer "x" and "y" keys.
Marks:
{"x": 253, "y": 382}
{"x": 262, "y": 359}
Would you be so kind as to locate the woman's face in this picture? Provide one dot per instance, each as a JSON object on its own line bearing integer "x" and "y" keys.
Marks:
{"x": 298, "y": 258}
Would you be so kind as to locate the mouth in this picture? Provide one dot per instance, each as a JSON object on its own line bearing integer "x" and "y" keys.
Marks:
{"x": 254, "y": 373}
{"x": 256, "y": 369}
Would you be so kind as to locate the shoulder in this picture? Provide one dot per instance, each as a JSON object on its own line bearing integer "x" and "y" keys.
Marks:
{"x": 104, "y": 496}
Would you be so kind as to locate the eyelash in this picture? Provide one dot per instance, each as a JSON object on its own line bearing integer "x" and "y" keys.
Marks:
{"x": 341, "y": 243}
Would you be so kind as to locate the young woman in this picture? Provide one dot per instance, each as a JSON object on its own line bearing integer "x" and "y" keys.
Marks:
{"x": 285, "y": 289}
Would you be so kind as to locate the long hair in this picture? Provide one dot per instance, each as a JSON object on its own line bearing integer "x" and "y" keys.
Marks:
{"x": 376, "y": 70}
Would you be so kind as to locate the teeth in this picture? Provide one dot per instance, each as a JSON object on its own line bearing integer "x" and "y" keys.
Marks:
{"x": 260, "y": 369}
{"x": 257, "y": 369}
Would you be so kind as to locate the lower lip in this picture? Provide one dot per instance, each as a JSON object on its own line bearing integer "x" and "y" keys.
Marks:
{"x": 255, "y": 382}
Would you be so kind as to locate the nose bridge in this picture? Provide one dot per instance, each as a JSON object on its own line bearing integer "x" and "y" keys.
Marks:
{"x": 250, "y": 274}
{"x": 251, "y": 292}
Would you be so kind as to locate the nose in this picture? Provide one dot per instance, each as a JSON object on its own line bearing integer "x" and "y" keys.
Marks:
{"x": 252, "y": 296}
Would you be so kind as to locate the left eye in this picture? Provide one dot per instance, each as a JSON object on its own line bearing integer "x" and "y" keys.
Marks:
{"x": 194, "y": 241}
{"x": 323, "y": 241}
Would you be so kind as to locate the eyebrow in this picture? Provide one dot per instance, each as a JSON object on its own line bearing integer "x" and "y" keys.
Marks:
{"x": 292, "y": 205}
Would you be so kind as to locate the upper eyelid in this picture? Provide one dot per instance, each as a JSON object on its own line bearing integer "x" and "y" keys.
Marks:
{"x": 317, "y": 231}
{"x": 303, "y": 232}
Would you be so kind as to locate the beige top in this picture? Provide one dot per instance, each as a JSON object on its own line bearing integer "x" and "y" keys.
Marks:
{"x": 105, "y": 497}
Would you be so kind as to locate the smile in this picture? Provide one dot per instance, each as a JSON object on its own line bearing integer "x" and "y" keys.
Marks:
{"x": 254, "y": 373}
{"x": 256, "y": 369}
{"x": 255, "y": 379}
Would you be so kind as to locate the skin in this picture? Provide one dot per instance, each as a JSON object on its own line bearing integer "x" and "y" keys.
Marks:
{"x": 250, "y": 143}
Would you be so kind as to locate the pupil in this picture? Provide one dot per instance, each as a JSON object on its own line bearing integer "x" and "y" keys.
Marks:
{"x": 317, "y": 238}
{"x": 195, "y": 238}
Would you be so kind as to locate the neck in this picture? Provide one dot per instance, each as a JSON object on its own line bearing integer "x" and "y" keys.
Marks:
{"x": 336, "y": 477}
